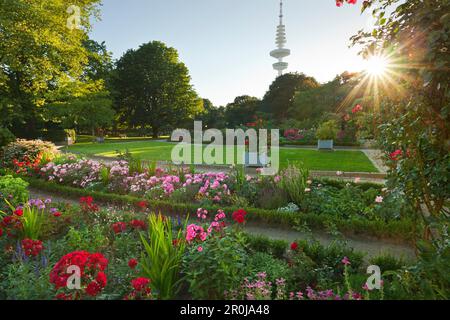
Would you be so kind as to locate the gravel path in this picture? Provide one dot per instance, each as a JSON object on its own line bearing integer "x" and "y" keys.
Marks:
{"x": 369, "y": 246}
{"x": 376, "y": 156}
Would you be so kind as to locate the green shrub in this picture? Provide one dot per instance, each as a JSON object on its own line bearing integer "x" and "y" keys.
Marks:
{"x": 218, "y": 268}
{"x": 327, "y": 130}
{"x": 340, "y": 184}
{"x": 276, "y": 248}
{"x": 185, "y": 194}
{"x": 26, "y": 281}
{"x": 30, "y": 149}
{"x": 55, "y": 135}
{"x": 72, "y": 134}
{"x": 125, "y": 247}
{"x": 317, "y": 265}
{"x": 272, "y": 198}
{"x": 387, "y": 262}
{"x": 352, "y": 201}
{"x": 264, "y": 262}
{"x": 6, "y": 136}
{"x": 14, "y": 190}
{"x": 91, "y": 239}
{"x": 331, "y": 254}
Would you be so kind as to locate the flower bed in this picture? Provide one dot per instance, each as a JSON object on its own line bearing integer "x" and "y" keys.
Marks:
{"x": 119, "y": 255}
{"x": 290, "y": 198}
{"x": 395, "y": 230}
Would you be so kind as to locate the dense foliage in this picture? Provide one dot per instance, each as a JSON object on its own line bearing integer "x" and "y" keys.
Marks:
{"x": 152, "y": 89}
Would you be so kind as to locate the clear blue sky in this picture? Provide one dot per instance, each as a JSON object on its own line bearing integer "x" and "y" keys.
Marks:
{"x": 226, "y": 43}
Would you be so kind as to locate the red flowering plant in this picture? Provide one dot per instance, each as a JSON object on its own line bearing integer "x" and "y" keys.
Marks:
{"x": 87, "y": 204}
{"x": 31, "y": 248}
{"x": 239, "y": 216}
{"x": 26, "y": 221}
{"x": 11, "y": 226}
{"x": 27, "y": 166}
{"x": 79, "y": 275}
{"x": 340, "y": 3}
{"x": 132, "y": 263}
{"x": 292, "y": 134}
{"x": 119, "y": 227}
{"x": 137, "y": 224}
{"x": 141, "y": 290}
{"x": 142, "y": 205}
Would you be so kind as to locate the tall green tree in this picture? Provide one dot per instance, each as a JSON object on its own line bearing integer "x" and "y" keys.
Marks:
{"x": 242, "y": 110}
{"x": 152, "y": 89}
{"x": 87, "y": 113}
{"x": 212, "y": 116}
{"x": 40, "y": 57}
{"x": 279, "y": 99}
{"x": 89, "y": 106}
{"x": 331, "y": 97}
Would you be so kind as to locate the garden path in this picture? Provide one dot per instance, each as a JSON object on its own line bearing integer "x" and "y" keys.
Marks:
{"x": 372, "y": 247}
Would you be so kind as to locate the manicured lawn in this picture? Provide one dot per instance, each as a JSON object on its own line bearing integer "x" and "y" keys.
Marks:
{"x": 355, "y": 161}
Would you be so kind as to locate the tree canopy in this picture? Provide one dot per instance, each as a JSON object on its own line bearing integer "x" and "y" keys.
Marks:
{"x": 152, "y": 89}
{"x": 40, "y": 58}
{"x": 279, "y": 99}
{"x": 331, "y": 97}
{"x": 241, "y": 111}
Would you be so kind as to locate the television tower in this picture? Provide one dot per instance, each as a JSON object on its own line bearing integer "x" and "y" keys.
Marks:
{"x": 280, "y": 41}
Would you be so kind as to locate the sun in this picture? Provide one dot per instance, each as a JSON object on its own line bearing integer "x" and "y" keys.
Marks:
{"x": 377, "y": 65}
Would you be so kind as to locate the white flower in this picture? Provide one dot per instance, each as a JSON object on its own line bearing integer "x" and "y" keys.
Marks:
{"x": 379, "y": 199}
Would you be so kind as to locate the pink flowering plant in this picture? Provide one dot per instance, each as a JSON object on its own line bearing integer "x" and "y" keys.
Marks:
{"x": 81, "y": 174}
{"x": 214, "y": 249}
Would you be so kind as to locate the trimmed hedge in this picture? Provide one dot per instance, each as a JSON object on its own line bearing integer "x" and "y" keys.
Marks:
{"x": 397, "y": 230}
{"x": 314, "y": 143}
{"x": 340, "y": 184}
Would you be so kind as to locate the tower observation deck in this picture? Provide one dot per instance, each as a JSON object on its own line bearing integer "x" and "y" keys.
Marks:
{"x": 281, "y": 52}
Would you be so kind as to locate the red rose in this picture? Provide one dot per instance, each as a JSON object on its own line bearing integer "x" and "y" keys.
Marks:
{"x": 294, "y": 246}
{"x": 18, "y": 212}
{"x": 140, "y": 284}
{"x": 357, "y": 108}
{"x": 91, "y": 265}
{"x": 63, "y": 296}
{"x": 119, "y": 227}
{"x": 7, "y": 220}
{"x": 32, "y": 247}
{"x": 142, "y": 204}
{"x": 101, "y": 279}
{"x": 138, "y": 224}
{"x": 93, "y": 289}
{"x": 395, "y": 155}
{"x": 239, "y": 216}
{"x": 132, "y": 263}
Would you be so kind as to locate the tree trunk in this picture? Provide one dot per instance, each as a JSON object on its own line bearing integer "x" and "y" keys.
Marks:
{"x": 155, "y": 132}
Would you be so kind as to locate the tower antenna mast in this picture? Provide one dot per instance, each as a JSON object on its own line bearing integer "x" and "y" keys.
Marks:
{"x": 280, "y": 41}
